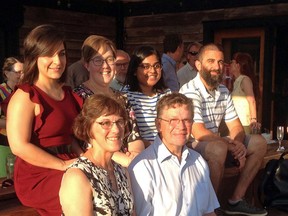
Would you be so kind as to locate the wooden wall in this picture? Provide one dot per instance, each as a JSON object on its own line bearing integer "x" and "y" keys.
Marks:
{"x": 146, "y": 29}
{"x": 150, "y": 29}
{"x": 76, "y": 26}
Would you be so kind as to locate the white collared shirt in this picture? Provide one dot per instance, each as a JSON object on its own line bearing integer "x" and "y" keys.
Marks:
{"x": 164, "y": 186}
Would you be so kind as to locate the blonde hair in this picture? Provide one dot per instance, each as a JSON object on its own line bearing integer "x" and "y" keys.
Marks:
{"x": 93, "y": 43}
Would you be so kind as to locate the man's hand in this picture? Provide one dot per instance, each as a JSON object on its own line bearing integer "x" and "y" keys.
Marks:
{"x": 237, "y": 149}
{"x": 241, "y": 163}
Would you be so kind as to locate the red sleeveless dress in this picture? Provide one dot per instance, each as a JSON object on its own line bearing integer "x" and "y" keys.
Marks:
{"x": 38, "y": 187}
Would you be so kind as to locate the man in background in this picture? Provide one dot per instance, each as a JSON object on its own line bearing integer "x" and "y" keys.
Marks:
{"x": 76, "y": 72}
{"x": 122, "y": 63}
{"x": 173, "y": 48}
{"x": 189, "y": 71}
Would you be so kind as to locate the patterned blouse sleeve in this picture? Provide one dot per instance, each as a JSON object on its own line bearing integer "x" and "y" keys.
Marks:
{"x": 132, "y": 131}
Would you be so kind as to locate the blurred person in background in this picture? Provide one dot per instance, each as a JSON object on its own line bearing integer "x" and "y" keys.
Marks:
{"x": 189, "y": 71}
{"x": 122, "y": 63}
{"x": 245, "y": 90}
{"x": 173, "y": 48}
{"x": 12, "y": 72}
{"x": 77, "y": 72}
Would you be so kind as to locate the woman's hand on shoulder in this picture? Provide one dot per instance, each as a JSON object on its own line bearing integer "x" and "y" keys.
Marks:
{"x": 67, "y": 163}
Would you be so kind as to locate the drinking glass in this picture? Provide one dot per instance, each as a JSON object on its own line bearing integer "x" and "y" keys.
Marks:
{"x": 280, "y": 135}
{"x": 10, "y": 166}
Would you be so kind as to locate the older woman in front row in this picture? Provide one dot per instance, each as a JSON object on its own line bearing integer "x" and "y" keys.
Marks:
{"x": 94, "y": 184}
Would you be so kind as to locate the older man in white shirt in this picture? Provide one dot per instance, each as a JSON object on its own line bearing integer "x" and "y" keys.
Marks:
{"x": 168, "y": 178}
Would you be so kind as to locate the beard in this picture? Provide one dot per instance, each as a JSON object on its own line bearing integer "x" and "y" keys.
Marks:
{"x": 212, "y": 80}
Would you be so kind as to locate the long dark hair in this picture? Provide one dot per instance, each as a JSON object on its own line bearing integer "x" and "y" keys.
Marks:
{"x": 137, "y": 58}
{"x": 41, "y": 41}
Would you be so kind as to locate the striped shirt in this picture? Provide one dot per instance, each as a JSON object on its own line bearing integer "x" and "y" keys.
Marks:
{"x": 145, "y": 111}
{"x": 209, "y": 109}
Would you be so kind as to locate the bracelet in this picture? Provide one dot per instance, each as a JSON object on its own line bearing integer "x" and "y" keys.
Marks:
{"x": 253, "y": 118}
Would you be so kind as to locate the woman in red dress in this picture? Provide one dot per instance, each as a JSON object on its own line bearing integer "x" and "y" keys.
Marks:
{"x": 39, "y": 118}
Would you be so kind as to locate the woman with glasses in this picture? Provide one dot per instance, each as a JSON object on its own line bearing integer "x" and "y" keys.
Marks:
{"x": 39, "y": 118}
{"x": 145, "y": 86}
{"x": 95, "y": 184}
{"x": 99, "y": 55}
{"x": 12, "y": 72}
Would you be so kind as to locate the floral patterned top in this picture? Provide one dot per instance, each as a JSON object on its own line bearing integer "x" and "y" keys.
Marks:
{"x": 132, "y": 131}
{"x": 105, "y": 200}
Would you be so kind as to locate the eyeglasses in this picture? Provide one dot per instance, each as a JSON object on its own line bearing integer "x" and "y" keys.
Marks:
{"x": 147, "y": 67}
{"x": 125, "y": 65}
{"x": 99, "y": 62}
{"x": 193, "y": 53}
{"x": 20, "y": 72}
{"x": 106, "y": 125}
{"x": 175, "y": 122}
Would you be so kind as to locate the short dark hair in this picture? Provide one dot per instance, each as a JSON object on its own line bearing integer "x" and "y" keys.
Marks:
{"x": 172, "y": 99}
{"x": 171, "y": 42}
{"x": 137, "y": 58}
{"x": 210, "y": 46}
{"x": 95, "y": 106}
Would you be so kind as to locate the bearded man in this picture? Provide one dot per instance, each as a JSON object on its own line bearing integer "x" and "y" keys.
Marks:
{"x": 212, "y": 104}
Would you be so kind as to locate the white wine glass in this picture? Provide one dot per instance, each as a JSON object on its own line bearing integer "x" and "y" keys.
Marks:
{"x": 280, "y": 135}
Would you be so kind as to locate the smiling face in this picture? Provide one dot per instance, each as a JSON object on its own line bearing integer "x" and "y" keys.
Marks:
{"x": 175, "y": 136}
{"x": 107, "y": 139}
{"x": 102, "y": 74}
{"x": 52, "y": 67}
{"x": 148, "y": 72}
{"x": 210, "y": 67}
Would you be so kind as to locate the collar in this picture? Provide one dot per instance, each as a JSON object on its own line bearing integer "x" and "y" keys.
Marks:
{"x": 189, "y": 66}
{"x": 169, "y": 59}
{"x": 163, "y": 153}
